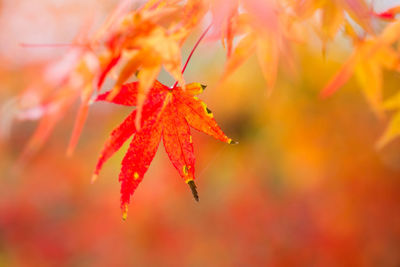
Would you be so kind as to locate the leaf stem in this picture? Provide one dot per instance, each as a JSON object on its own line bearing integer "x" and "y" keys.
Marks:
{"x": 191, "y": 53}
{"x": 27, "y": 45}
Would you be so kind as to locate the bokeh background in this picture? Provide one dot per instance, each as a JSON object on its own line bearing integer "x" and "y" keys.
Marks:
{"x": 305, "y": 186}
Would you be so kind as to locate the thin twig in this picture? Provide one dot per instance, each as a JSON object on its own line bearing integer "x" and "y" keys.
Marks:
{"x": 191, "y": 53}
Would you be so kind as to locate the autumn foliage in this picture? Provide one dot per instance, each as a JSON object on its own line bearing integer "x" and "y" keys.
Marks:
{"x": 167, "y": 114}
{"x": 307, "y": 90}
{"x": 137, "y": 43}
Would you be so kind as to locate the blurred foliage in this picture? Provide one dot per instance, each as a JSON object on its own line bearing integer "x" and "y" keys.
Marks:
{"x": 305, "y": 186}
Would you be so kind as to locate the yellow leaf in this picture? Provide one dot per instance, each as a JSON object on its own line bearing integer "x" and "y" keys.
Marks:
{"x": 268, "y": 57}
{"x": 388, "y": 57}
{"x": 369, "y": 76}
{"x": 130, "y": 68}
{"x": 332, "y": 20}
{"x": 390, "y": 34}
{"x": 393, "y": 102}
{"x": 391, "y": 132}
{"x": 168, "y": 51}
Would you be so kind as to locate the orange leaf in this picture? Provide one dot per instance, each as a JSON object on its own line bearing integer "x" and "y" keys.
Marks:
{"x": 360, "y": 12}
{"x": 77, "y": 130}
{"x": 242, "y": 51}
{"x": 341, "y": 77}
{"x": 268, "y": 57}
{"x": 111, "y": 63}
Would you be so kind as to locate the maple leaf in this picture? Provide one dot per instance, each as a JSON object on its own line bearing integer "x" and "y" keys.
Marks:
{"x": 58, "y": 96}
{"x": 145, "y": 39}
{"x": 370, "y": 58}
{"x": 267, "y": 38}
{"x": 167, "y": 114}
{"x": 148, "y": 39}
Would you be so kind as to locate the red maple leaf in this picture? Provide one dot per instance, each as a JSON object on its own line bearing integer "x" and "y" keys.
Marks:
{"x": 167, "y": 113}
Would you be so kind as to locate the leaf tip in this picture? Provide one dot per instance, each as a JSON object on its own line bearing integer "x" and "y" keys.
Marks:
{"x": 193, "y": 187}
{"x": 125, "y": 212}
{"x": 94, "y": 178}
{"x": 232, "y": 142}
{"x": 195, "y": 88}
